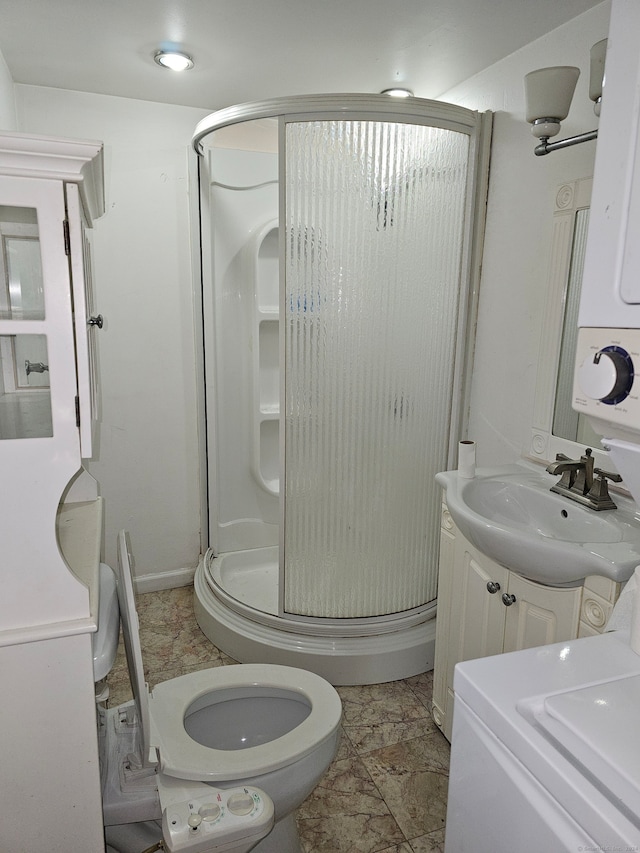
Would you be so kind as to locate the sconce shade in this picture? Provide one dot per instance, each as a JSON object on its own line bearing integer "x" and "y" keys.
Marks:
{"x": 596, "y": 78}
{"x": 548, "y": 92}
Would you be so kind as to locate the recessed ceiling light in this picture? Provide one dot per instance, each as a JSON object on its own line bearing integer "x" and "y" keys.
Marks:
{"x": 174, "y": 60}
{"x": 398, "y": 93}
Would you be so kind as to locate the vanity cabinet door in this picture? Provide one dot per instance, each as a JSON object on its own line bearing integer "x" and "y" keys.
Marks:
{"x": 470, "y": 621}
{"x": 540, "y": 615}
{"x": 477, "y": 615}
{"x": 484, "y": 609}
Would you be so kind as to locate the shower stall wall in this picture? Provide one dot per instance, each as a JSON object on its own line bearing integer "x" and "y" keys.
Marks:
{"x": 339, "y": 240}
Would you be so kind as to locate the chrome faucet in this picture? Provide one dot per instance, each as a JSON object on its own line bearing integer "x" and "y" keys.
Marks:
{"x": 577, "y": 481}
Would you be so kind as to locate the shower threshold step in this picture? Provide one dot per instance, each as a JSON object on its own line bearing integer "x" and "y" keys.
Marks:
{"x": 250, "y": 577}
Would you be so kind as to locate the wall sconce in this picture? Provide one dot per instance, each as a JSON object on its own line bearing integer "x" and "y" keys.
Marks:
{"x": 548, "y": 94}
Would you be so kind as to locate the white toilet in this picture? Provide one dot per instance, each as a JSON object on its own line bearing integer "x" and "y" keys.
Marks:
{"x": 244, "y": 744}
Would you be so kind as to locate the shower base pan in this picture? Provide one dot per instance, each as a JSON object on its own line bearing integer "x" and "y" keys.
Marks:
{"x": 236, "y": 606}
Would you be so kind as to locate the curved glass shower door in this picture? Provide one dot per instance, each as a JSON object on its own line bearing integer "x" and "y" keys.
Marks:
{"x": 374, "y": 223}
{"x": 337, "y": 237}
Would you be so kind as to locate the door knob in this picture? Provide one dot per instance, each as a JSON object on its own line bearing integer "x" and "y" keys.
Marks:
{"x": 507, "y": 599}
{"x": 493, "y": 587}
{"x": 96, "y": 321}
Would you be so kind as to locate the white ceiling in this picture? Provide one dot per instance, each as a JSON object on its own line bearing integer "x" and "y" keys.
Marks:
{"x": 248, "y": 50}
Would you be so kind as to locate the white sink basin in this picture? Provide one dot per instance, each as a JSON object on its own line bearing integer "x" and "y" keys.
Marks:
{"x": 511, "y": 516}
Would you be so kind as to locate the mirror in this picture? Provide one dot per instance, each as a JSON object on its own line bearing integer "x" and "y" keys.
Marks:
{"x": 568, "y": 423}
{"x": 556, "y": 427}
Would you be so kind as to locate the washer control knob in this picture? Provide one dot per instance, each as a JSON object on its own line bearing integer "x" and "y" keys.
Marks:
{"x": 240, "y": 803}
{"x": 210, "y": 811}
{"x": 607, "y": 376}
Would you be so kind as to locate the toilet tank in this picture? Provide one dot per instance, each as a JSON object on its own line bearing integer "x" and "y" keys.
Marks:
{"x": 105, "y": 639}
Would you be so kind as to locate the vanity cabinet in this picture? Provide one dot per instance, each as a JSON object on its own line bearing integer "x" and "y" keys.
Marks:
{"x": 485, "y": 609}
{"x": 50, "y": 512}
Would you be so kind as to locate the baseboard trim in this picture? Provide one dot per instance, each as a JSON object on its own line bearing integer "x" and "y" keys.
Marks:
{"x": 164, "y": 580}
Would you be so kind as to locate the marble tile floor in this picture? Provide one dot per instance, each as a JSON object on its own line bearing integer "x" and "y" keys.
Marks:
{"x": 386, "y": 790}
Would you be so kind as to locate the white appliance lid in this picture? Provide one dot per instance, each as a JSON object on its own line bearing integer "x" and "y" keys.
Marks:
{"x": 596, "y": 727}
{"x": 131, "y": 634}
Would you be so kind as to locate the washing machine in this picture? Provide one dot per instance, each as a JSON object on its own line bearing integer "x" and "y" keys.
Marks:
{"x": 546, "y": 750}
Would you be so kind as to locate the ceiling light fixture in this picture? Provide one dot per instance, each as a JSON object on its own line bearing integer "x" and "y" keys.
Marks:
{"x": 548, "y": 94}
{"x": 398, "y": 93}
{"x": 173, "y": 59}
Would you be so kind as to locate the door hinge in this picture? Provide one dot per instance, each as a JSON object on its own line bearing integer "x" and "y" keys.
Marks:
{"x": 78, "y": 412}
{"x": 67, "y": 238}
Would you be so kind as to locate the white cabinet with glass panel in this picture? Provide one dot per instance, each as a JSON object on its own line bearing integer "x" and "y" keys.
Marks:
{"x": 50, "y": 192}
{"x": 50, "y": 512}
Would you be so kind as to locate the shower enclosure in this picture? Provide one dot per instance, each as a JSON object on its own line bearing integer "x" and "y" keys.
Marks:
{"x": 339, "y": 242}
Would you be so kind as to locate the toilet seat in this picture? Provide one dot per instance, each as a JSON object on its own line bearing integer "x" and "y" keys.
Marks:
{"x": 166, "y": 742}
{"x": 185, "y": 758}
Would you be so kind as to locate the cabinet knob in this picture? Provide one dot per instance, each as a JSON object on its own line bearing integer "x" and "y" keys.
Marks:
{"x": 493, "y": 587}
{"x": 507, "y": 599}
{"x": 96, "y": 321}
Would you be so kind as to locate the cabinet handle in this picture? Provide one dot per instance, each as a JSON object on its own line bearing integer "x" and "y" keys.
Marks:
{"x": 507, "y": 599}
{"x": 493, "y": 587}
{"x": 96, "y": 321}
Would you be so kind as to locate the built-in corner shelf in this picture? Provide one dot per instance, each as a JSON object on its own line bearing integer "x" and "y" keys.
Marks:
{"x": 265, "y": 270}
{"x": 79, "y": 528}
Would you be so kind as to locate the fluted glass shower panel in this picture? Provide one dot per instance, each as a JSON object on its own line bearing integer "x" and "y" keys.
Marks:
{"x": 374, "y": 220}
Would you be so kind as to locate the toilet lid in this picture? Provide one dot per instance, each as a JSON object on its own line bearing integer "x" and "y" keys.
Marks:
{"x": 162, "y": 714}
{"x": 131, "y": 634}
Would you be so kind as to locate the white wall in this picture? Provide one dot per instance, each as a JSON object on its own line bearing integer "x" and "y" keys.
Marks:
{"x": 517, "y": 246}
{"x": 7, "y": 98}
{"x": 148, "y": 457}
{"x": 148, "y": 465}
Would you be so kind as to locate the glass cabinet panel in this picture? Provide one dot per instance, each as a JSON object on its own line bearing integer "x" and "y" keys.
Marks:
{"x": 25, "y": 398}
{"x": 21, "y": 288}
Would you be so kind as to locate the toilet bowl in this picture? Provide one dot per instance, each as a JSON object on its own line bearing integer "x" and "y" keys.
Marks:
{"x": 104, "y": 641}
{"x": 266, "y": 730}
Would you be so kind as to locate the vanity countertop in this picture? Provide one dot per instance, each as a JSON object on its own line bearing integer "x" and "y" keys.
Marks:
{"x": 79, "y": 528}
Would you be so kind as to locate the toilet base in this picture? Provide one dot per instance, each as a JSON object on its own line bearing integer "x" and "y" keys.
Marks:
{"x": 178, "y": 754}
{"x": 283, "y": 838}
{"x": 123, "y": 801}
{"x": 134, "y": 837}
{"x": 133, "y": 813}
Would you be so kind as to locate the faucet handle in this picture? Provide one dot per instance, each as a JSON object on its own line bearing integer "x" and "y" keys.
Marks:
{"x": 609, "y": 475}
{"x": 599, "y": 494}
